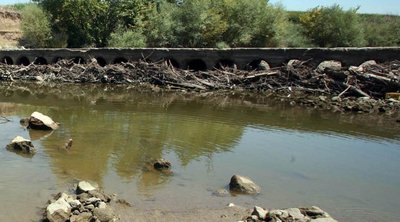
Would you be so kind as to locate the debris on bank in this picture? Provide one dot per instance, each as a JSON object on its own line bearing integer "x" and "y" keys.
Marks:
{"x": 369, "y": 87}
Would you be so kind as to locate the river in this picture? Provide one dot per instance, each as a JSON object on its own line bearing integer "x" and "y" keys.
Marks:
{"x": 347, "y": 164}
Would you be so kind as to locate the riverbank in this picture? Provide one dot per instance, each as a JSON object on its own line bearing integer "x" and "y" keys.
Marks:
{"x": 367, "y": 88}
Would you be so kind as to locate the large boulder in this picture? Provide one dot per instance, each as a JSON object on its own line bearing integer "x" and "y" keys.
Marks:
{"x": 245, "y": 185}
{"x": 21, "y": 145}
{"x": 40, "y": 121}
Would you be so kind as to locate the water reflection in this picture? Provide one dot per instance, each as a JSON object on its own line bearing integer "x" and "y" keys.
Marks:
{"x": 116, "y": 130}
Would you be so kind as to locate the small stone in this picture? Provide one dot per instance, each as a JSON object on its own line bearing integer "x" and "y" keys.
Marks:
{"x": 75, "y": 212}
{"x": 59, "y": 210}
{"x": 39, "y": 78}
{"x": 332, "y": 65}
{"x": 323, "y": 220}
{"x": 293, "y": 63}
{"x": 221, "y": 193}
{"x": 104, "y": 214}
{"x": 74, "y": 203}
{"x": 295, "y": 213}
{"x": 263, "y": 65}
{"x": 244, "y": 185}
{"x": 313, "y": 212}
{"x": 83, "y": 217}
{"x": 356, "y": 69}
{"x": 161, "y": 164}
{"x": 102, "y": 205}
{"x": 253, "y": 218}
{"x": 322, "y": 98}
{"x": 68, "y": 144}
{"x": 84, "y": 187}
{"x": 260, "y": 213}
{"x": 101, "y": 195}
{"x": 231, "y": 205}
{"x": 92, "y": 200}
{"x": 336, "y": 98}
{"x": 90, "y": 207}
{"x": 83, "y": 197}
{"x": 58, "y": 216}
{"x": 367, "y": 64}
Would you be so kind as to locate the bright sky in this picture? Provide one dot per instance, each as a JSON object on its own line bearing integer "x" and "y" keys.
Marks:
{"x": 366, "y": 6}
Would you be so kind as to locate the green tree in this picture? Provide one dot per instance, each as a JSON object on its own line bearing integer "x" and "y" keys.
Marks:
{"x": 207, "y": 23}
{"x": 332, "y": 27}
{"x": 91, "y": 22}
{"x": 35, "y": 27}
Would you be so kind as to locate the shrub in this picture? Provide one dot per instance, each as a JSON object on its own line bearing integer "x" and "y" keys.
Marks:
{"x": 333, "y": 27}
{"x": 35, "y": 27}
{"x": 128, "y": 39}
{"x": 206, "y": 23}
{"x": 381, "y": 30}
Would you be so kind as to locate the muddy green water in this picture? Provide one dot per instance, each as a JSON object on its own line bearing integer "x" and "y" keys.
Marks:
{"x": 346, "y": 164}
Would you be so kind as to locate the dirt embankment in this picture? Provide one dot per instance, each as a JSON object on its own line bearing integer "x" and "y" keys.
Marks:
{"x": 10, "y": 32}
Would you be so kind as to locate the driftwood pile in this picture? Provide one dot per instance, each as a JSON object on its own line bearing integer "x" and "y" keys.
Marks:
{"x": 329, "y": 82}
{"x": 367, "y": 80}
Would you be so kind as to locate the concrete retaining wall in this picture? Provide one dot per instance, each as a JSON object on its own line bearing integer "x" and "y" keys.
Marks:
{"x": 202, "y": 59}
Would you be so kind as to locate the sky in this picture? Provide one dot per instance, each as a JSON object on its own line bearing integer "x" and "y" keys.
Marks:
{"x": 366, "y": 6}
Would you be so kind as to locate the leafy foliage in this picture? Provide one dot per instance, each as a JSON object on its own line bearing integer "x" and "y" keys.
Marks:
{"x": 35, "y": 27}
{"x": 128, "y": 39}
{"x": 206, "y": 23}
{"x": 201, "y": 23}
{"x": 332, "y": 27}
{"x": 91, "y": 22}
{"x": 381, "y": 30}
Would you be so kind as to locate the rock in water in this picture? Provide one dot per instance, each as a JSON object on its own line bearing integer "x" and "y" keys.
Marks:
{"x": 19, "y": 144}
{"x": 68, "y": 144}
{"x": 161, "y": 164}
{"x": 84, "y": 187}
{"x": 241, "y": 184}
{"x": 41, "y": 122}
